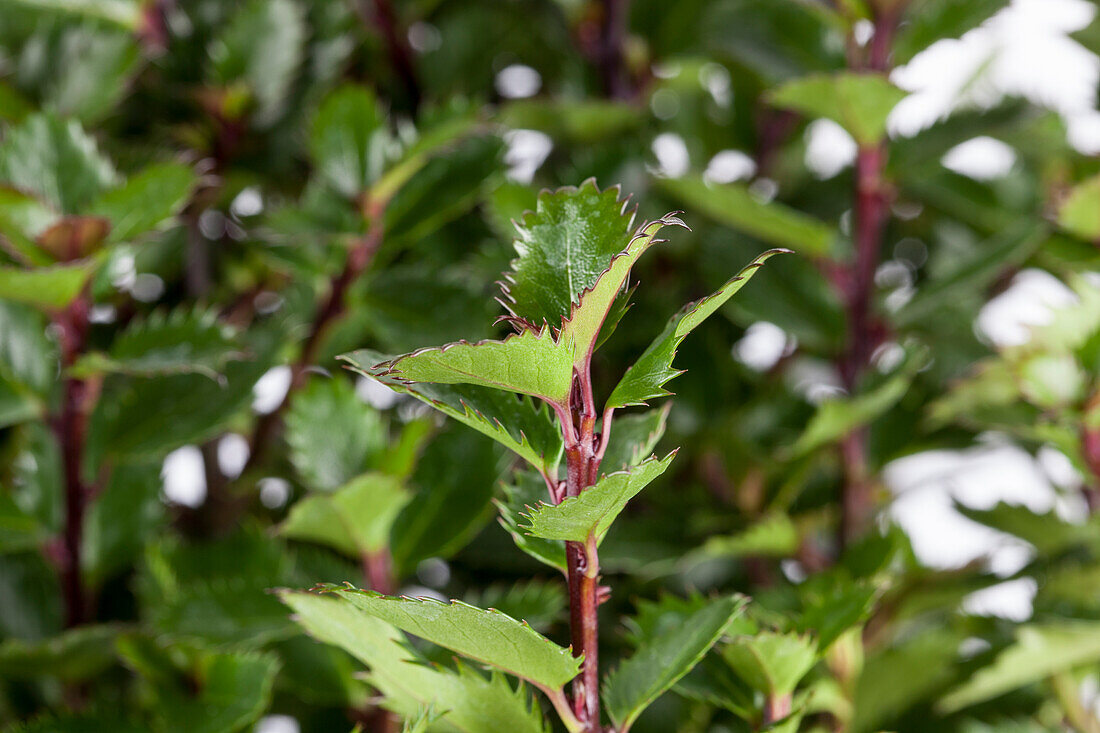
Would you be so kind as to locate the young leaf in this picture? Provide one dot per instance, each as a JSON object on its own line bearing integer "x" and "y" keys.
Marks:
{"x": 167, "y": 342}
{"x": 732, "y": 205}
{"x": 860, "y": 103}
{"x": 350, "y": 142}
{"x": 587, "y": 316}
{"x": 531, "y": 363}
{"x": 75, "y": 654}
{"x": 770, "y": 661}
{"x": 235, "y": 689}
{"x": 262, "y": 46}
{"x": 147, "y": 201}
{"x": 1080, "y": 212}
{"x": 646, "y": 379}
{"x": 333, "y": 435}
{"x": 1040, "y": 651}
{"x": 517, "y": 423}
{"x": 57, "y": 160}
{"x": 354, "y": 520}
{"x": 634, "y": 437}
{"x": 835, "y": 418}
{"x": 45, "y": 287}
{"x": 469, "y": 701}
{"x": 489, "y": 637}
{"x": 22, "y": 219}
{"x": 564, "y": 246}
{"x": 593, "y": 512}
{"x": 663, "y": 660}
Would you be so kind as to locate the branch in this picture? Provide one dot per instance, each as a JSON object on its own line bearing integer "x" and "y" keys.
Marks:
{"x": 70, "y": 427}
{"x": 358, "y": 260}
{"x": 401, "y": 57}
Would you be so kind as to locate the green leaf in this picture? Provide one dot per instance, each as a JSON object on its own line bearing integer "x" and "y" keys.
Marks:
{"x": 262, "y": 46}
{"x": 646, "y": 379}
{"x": 449, "y": 506}
{"x": 23, "y": 218}
{"x": 587, "y": 316}
{"x": 147, "y": 201}
{"x": 770, "y": 661}
{"x": 1079, "y": 214}
{"x": 836, "y": 607}
{"x": 125, "y": 516}
{"x": 422, "y": 722}
{"x": 470, "y": 702}
{"x": 530, "y": 363}
{"x": 19, "y": 531}
{"x": 860, "y": 103}
{"x": 519, "y": 424}
{"x": 76, "y": 654}
{"x": 234, "y": 689}
{"x": 45, "y": 287}
{"x": 572, "y": 120}
{"x": 1009, "y": 247}
{"x": 333, "y": 435}
{"x": 354, "y": 520}
{"x": 1040, "y": 650}
{"x": 593, "y": 511}
{"x": 1048, "y": 533}
{"x": 489, "y": 637}
{"x": 91, "y": 69}
{"x": 182, "y": 341}
{"x": 125, "y": 13}
{"x": 732, "y": 205}
{"x": 634, "y": 437}
{"x": 82, "y": 723}
{"x": 564, "y": 246}
{"x": 28, "y": 361}
{"x": 836, "y": 417}
{"x": 350, "y": 142}
{"x": 663, "y": 660}
{"x": 775, "y": 535}
{"x": 57, "y": 160}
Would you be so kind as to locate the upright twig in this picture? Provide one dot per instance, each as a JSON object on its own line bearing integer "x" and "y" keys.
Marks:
{"x": 401, "y": 57}
{"x": 331, "y": 309}
{"x": 611, "y": 57}
{"x": 871, "y": 212}
{"x": 584, "y": 449}
{"x": 70, "y": 427}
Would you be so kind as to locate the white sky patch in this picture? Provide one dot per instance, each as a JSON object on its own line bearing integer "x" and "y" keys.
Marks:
{"x": 527, "y": 151}
{"x": 1007, "y": 318}
{"x": 728, "y": 166}
{"x": 277, "y": 724}
{"x": 981, "y": 158}
{"x": 518, "y": 81}
{"x": 762, "y": 346}
{"x": 184, "y": 477}
{"x": 249, "y": 202}
{"x": 270, "y": 389}
{"x": 233, "y": 452}
{"x": 274, "y": 491}
{"x": 375, "y": 394}
{"x": 1012, "y": 600}
{"x": 672, "y": 155}
{"x": 829, "y": 148}
{"x": 1024, "y": 50}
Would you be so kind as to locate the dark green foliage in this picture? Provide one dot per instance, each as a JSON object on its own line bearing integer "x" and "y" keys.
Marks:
{"x": 204, "y": 202}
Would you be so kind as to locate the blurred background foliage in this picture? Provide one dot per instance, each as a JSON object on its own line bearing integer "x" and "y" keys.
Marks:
{"x": 204, "y": 201}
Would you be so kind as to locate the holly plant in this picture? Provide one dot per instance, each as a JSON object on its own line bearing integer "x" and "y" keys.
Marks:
{"x": 533, "y": 392}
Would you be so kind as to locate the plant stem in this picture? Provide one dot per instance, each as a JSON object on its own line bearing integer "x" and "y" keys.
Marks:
{"x": 611, "y": 60}
{"x": 871, "y": 212}
{"x": 583, "y": 568}
{"x": 776, "y": 708}
{"x": 378, "y": 571}
{"x": 401, "y": 58}
{"x": 333, "y": 307}
{"x": 70, "y": 428}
